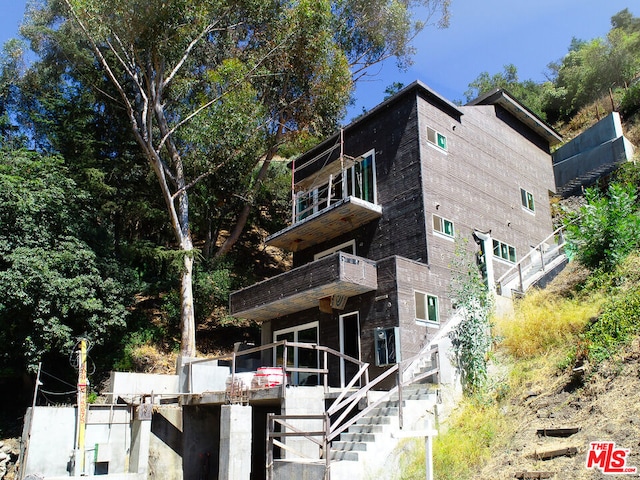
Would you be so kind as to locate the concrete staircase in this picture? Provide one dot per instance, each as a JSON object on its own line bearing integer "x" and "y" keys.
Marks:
{"x": 363, "y": 450}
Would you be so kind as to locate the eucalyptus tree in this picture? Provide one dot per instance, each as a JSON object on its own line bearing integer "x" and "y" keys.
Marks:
{"x": 211, "y": 87}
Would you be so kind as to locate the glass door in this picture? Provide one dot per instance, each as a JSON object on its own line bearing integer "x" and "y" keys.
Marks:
{"x": 299, "y": 357}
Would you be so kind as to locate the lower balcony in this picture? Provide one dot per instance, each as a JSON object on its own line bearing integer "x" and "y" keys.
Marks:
{"x": 332, "y": 279}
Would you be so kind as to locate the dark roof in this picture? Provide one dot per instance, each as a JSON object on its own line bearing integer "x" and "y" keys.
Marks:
{"x": 502, "y": 97}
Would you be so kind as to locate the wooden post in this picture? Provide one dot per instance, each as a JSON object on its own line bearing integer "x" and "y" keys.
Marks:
{"x": 82, "y": 405}
{"x": 400, "y": 415}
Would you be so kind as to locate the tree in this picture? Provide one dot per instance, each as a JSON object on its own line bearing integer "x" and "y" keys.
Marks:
{"x": 471, "y": 338}
{"x": 54, "y": 285}
{"x": 206, "y": 84}
{"x": 528, "y": 92}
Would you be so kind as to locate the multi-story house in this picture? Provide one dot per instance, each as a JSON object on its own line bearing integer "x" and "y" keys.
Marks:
{"x": 377, "y": 211}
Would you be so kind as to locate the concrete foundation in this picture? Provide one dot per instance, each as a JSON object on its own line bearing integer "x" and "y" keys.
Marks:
{"x": 235, "y": 442}
{"x": 303, "y": 401}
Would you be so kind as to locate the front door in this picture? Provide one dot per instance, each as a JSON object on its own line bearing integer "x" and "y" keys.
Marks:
{"x": 349, "y": 345}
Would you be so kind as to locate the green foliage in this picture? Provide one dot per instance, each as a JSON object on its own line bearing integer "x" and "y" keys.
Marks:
{"x": 588, "y": 71}
{"x": 620, "y": 318}
{"x": 630, "y": 103}
{"x": 53, "y": 286}
{"x": 473, "y": 431}
{"x": 471, "y": 338}
{"x": 528, "y": 92}
{"x": 606, "y": 229}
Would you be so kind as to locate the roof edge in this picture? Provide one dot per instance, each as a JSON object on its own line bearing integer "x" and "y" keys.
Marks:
{"x": 502, "y": 97}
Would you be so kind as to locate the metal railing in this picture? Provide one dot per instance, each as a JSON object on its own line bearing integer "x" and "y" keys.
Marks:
{"x": 347, "y": 401}
{"x": 344, "y": 404}
{"x": 529, "y": 260}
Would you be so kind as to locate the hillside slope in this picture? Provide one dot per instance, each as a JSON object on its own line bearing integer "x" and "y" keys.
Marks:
{"x": 605, "y": 409}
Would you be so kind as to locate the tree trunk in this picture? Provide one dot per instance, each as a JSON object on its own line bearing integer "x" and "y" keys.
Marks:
{"x": 187, "y": 317}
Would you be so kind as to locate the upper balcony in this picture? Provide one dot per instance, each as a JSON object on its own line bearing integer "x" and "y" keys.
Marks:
{"x": 337, "y": 199}
{"x": 335, "y": 278}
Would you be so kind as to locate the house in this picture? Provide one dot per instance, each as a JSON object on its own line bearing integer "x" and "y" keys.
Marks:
{"x": 378, "y": 210}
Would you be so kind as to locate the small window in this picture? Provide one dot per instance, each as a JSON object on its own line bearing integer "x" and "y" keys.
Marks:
{"x": 443, "y": 226}
{"x": 527, "y": 200}
{"x": 436, "y": 138}
{"x": 426, "y": 307}
{"x": 504, "y": 251}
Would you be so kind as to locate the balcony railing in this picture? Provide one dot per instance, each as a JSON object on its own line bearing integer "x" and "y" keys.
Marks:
{"x": 339, "y": 274}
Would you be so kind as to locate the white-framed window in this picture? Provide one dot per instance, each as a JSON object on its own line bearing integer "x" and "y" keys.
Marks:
{"x": 426, "y": 308}
{"x": 298, "y": 357}
{"x": 436, "y": 138}
{"x": 527, "y": 201}
{"x": 504, "y": 251}
{"x": 347, "y": 247}
{"x": 443, "y": 226}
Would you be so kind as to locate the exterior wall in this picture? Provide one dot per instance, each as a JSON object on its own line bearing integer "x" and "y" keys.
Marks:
{"x": 475, "y": 184}
{"x": 392, "y": 133}
{"x": 51, "y": 441}
{"x": 165, "y": 445}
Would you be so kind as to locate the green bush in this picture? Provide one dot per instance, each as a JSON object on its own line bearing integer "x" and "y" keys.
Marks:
{"x": 630, "y": 102}
{"x": 606, "y": 229}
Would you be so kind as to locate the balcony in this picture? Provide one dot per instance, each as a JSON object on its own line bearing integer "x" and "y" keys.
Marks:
{"x": 338, "y": 199}
{"x": 336, "y": 277}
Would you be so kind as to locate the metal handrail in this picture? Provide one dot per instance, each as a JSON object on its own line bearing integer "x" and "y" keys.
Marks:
{"x": 517, "y": 268}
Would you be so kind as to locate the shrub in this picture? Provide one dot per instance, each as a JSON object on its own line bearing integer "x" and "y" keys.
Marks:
{"x": 606, "y": 229}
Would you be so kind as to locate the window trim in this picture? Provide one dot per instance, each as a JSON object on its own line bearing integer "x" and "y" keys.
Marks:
{"x": 337, "y": 248}
{"x": 501, "y": 245}
{"x": 443, "y": 233}
{"x": 527, "y": 201}
{"x": 426, "y": 321}
{"x": 437, "y": 134}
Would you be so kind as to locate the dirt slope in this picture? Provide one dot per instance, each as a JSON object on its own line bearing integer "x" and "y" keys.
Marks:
{"x": 606, "y": 408}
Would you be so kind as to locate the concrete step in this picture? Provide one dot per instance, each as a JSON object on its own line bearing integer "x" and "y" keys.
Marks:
{"x": 344, "y": 455}
{"x": 363, "y": 428}
{"x": 349, "y": 446}
{"x": 358, "y": 437}
{"x": 378, "y": 420}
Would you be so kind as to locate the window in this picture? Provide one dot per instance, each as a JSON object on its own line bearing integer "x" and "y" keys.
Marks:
{"x": 527, "y": 200}
{"x": 443, "y": 226}
{"x": 504, "y": 251}
{"x": 426, "y": 307}
{"x": 298, "y": 357}
{"x": 436, "y": 138}
{"x": 348, "y": 247}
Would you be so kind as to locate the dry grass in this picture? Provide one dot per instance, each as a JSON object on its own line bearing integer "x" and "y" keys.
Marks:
{"x": 462, "y": 446}
{"x": 543, "y": 321}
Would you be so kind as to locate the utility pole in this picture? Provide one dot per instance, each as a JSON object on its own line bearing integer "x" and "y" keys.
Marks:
{"x": 82, "y": 407}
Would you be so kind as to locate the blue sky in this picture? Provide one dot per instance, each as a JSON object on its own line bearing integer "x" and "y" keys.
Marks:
{"x": 484, "y": 35}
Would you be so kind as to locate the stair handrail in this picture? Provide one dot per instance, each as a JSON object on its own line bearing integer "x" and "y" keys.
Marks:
{"x": 338, "y": 426}
{"x": 537, "y": 249}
